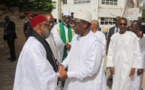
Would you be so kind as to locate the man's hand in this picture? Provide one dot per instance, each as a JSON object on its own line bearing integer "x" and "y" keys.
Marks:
{"x": 132, "y": 71}
{"x": 139, "y": 71}
{"x": 61, "y": 68}
{"x": 63, "y": 73}
{"x": 67, "y": 46}
{"x": 112, "y": 70}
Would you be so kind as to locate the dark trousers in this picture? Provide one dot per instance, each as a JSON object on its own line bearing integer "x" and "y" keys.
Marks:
{"x": 11, "y": 44}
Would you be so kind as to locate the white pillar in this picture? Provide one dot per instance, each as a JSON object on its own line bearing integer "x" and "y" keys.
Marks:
{"x": 59, "y": 4}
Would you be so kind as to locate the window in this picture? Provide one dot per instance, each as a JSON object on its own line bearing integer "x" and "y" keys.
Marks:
{"x": 107, "y": 21}
{"x": 109, "y": 2}
{"x": 64, "y": 1}
{"x": 81, "y": 1}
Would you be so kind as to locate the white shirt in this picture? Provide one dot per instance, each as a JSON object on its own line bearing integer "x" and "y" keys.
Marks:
{"x": 117, "y": 29}
{"x": 83, "y": 63}
{"x": 136, "y": 80}
{"x": 34, "y": 72}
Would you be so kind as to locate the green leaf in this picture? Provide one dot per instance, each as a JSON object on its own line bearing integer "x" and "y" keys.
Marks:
{"x": 29, "y": 5}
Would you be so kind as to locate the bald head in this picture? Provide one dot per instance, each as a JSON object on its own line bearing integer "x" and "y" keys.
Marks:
{"x": 49, "y": 16}
{"x": 50, "y": 20}
{"x": 95, "y": 22}
{"x": 94, "y": 25}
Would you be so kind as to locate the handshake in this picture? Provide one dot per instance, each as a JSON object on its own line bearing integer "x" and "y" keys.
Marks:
{"x": 62, "y": 72}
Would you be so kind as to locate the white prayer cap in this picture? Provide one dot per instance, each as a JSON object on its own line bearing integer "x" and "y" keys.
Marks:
{"x": 66, "y": 13}
{"x": 84, "y": 15}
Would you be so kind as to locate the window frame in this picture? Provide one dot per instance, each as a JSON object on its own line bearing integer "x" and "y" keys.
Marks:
{"x": 109, "y": 2}
{"x": 81, "y": 1}
{"x": 107, "y": 21}
{"x": 64, "y": 1}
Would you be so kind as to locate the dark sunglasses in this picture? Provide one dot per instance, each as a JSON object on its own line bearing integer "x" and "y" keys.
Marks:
{"x": 123, "y": 24}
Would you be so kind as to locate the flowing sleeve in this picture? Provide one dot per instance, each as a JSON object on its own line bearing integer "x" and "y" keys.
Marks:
{"x": 143, "y": 58}
{"x": 92, "y": 63}
{"x": 66, "y": 61}
{"x": 44, "y": 70}
{"x": 110, "y": 56}
{"x": 137, "y": 62}
{"x": 56, "y": 34}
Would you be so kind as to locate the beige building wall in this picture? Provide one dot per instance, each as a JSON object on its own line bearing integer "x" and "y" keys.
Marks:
{"x": 99, "y": 10}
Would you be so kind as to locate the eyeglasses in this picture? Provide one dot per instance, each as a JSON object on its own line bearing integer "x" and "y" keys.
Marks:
{"x": 49, "y": 24}
{"x": 123, "y": 24}
{"x": 46, "y": 24}
{"x": 76, "y": 23}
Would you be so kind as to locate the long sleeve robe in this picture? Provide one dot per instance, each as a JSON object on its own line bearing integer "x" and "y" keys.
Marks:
{"x": 142, "y": 49}
{"x": 124, "y": 54}
{"x": 101, "y": 76}
{"x": 137, "y": 80}
{"x": 34, "y": 72}
{"x": 83, "y": 61}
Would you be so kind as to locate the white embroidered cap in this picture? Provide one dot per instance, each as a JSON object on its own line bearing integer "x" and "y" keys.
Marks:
{"x": 84, "y": 15}
{"x": 66, "y": 13}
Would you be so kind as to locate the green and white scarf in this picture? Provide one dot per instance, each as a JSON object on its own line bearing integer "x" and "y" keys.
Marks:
{"x": 63, "y": 36}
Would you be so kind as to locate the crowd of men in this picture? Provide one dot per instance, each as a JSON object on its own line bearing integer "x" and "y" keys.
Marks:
{"x": 70, "y": 55}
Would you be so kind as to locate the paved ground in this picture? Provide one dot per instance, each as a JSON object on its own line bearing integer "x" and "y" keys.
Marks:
{"x": 109, "y": 83}
{"x": 7, "y": 71}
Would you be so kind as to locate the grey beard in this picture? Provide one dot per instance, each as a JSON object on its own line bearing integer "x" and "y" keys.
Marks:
{"x": 46, "y": 33}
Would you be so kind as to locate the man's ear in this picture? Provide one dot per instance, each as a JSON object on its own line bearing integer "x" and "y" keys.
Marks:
{"x": 85, "y": 25}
